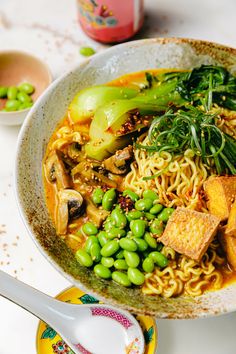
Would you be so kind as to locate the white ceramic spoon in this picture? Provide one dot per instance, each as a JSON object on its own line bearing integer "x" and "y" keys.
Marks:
{"x": 87, "y": 329}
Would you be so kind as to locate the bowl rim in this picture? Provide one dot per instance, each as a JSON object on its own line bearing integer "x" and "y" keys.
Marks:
{"x": 27, "y": 122}
{"x": 42, "y": 64}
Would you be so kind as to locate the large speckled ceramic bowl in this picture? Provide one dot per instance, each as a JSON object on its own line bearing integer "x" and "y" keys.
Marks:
{"x": 35, "y": 134}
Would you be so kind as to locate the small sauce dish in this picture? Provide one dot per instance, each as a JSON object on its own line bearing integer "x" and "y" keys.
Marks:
{"x": 17, "y": 67}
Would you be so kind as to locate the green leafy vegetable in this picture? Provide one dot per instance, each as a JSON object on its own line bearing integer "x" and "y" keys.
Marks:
{"x": 205, "y": 86}
{"x": 193, "y": 129}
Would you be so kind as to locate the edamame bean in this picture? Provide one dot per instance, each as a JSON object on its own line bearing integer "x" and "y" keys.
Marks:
{"x": 132, "y": 259}
{"x": 149, "y": 194}
{"x": 120, "y": 254}
{"x": 23, "y": 97}
{"x": 90, "y": 240}
{"x": 97, "y": 196}
{"x": 132, "y": 195}
{"x": 135, "y": 276}
{"x": 83, "y": 258}
{"x": 148, "y": 265}
{"x": 129, "y": 234}
{"x": 157, "y": 208}
{"x": 89, "y": 228}
{"x": 149, "y": 216}
{"x": 138, "y": 227}
{"x": 134, "y": 214}
{"x": 114, "y": 232}
{"x": 95, "y": 252}
{"x": 102, "y": 272}
{"x": 143, "y": 204}
{"x": 3, "y": 92}
{"x": 102, "y": 238}
{"x": 12, "y": 92}
{"x": 120, "y": 264}
{"x": 25, "y": 105}
{"x": 151, "y": 241}
{"x": 109, "y": 199}
{"x": 109, "y": 224}
{"x": 12, "y": 105}
{"x": 128, "y": 244}
{"x": 121, "y": 278}
{"x": 165, "y": 214}
{"x": 107, "y": 262}
{"x": 87, "y": 51}
{"x": 119, "y": 218}
{"x": 26, "y": 87}
{"x": 142, "y": 244}
{"x": 159, "y": 259}
{"x": 110, "y": 248}
{"x": 156, "y": 227}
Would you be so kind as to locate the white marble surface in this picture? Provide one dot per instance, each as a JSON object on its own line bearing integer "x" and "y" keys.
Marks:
{"x": 49, "y": 29}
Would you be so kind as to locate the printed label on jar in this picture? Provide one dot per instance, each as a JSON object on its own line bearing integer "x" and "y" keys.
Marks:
{"x": 110, "y": 20}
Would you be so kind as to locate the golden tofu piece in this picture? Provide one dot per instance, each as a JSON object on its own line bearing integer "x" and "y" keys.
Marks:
{"x": 231, "y": 225}
{"x": 229, "y": 245}
{"x": 220, "y": 193}
{"x": 190, "y": 232}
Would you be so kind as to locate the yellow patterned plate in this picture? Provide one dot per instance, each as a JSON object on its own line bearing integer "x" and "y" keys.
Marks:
{"x": 49, "y": 342}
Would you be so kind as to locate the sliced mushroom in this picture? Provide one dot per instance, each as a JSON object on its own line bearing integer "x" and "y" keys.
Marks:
{"x": 97, "y": 216}
{"x": 55, "y": 171}
{"x": 119, "y": 162}
{"x": 74, "y": 151}
{"x": 87, "y": 172}
{"x": 70, "y": 206}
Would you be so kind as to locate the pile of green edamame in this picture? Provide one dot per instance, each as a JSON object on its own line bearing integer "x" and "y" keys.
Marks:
{"x": 127, "y": 245}
{"x": 18, "y": 97}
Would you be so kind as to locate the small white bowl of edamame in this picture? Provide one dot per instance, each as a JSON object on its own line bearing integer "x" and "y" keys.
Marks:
{"x": 23, "y": 78}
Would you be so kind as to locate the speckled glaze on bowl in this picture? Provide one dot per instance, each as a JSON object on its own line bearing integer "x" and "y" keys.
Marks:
{"x": 36, "y": 131}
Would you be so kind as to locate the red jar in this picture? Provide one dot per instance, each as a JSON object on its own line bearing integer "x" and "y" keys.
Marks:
{"x": 110, "y": 21}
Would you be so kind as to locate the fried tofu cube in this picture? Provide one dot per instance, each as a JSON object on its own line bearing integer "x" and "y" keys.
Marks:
{"x": 190, "y": 232}
{"x": 231, "y": 225}
{"x": 220, "y": 193}
{"x": 229, "y": 246}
